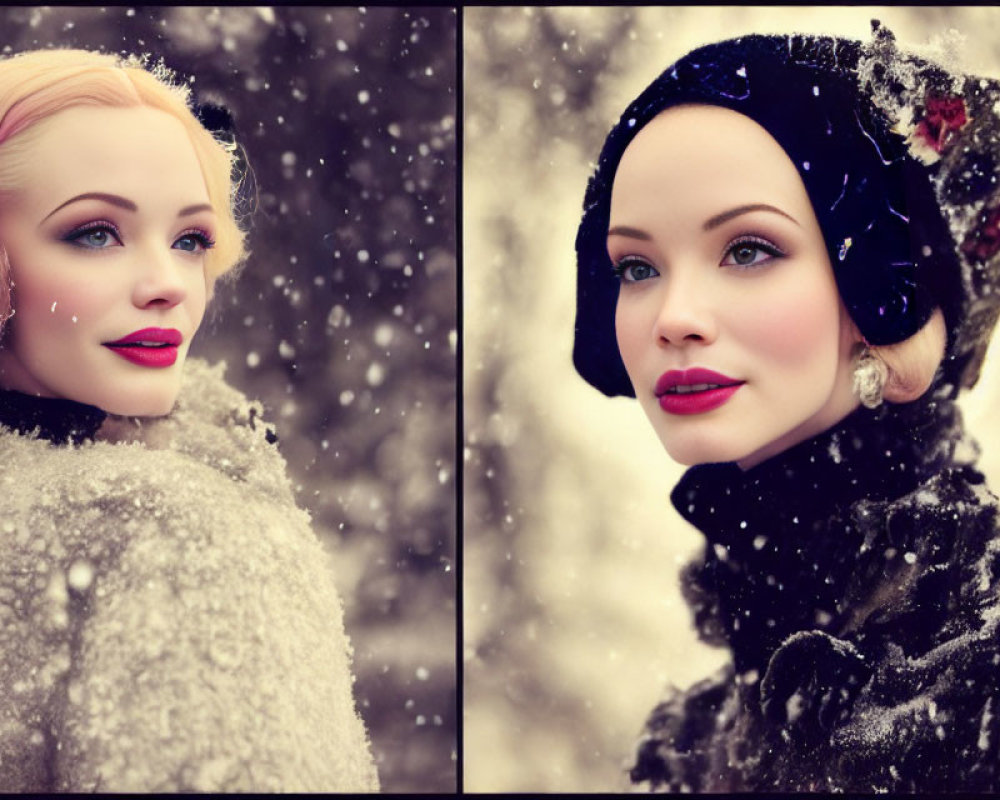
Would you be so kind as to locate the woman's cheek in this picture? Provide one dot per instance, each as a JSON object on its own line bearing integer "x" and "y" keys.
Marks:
{"x": 796, "y": 327}
{"x": 59, "y": 300}
{"x": 632, "y": 332}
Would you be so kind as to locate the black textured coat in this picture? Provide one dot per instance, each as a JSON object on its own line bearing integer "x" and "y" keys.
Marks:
{"x": 854, "y": 579}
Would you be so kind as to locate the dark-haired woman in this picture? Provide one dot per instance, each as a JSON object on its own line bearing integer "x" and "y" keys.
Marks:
{"x": 788, "y": 255}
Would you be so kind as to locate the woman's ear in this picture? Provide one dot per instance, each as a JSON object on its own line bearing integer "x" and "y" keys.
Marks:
{"x": 6, "y": 310}
{"x": 913, "y": 362}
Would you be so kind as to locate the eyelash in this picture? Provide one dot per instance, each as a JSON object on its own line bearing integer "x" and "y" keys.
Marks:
{"x": 758, "y": 243}
{"x": 627, "y": 263}
{"x": 91, "y": 227}
{"x": 200, "y": 235}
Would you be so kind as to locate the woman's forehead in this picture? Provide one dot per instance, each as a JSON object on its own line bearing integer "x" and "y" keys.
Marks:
{"x": 694, "y": 157}
{"x": 135, "y": 150}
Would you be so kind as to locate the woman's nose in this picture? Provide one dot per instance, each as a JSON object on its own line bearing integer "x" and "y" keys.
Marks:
{"x": 685, "y": 317}
{"x": 160, "y": 279}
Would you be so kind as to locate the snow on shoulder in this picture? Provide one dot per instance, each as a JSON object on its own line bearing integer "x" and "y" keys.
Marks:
{"x": 168, "y": 619}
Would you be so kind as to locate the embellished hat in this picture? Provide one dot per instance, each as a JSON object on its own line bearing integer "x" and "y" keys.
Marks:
{"x": 899, "y": 157}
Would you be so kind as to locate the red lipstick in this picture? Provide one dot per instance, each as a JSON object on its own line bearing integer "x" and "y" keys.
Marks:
{"x": 149, "y": 347}
{"x": 694, "y": 391}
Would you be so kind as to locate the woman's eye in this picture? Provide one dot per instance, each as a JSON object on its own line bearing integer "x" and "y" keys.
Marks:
{"x": 194, "y": 242}
{"x": 97, "y": 237}
{"x": 750, "y": 253}
{"x": 633, "y": 270}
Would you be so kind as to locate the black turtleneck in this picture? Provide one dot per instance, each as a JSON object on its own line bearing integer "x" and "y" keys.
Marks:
{"x": 792, "y": 543}
{"x": 53, "y": 419}
{"x": 856, "y": 579}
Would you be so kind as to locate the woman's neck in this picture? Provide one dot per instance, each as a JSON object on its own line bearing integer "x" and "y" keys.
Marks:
{"x": 788, "y": 539}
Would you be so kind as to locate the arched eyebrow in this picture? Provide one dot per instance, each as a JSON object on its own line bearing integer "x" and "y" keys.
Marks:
{"x": 712, "y": 222}
{"x": 124, "y": 202}
{"x": 725, "y": 216}
{"x": 624, "y": 230}
{"x": 113, "y": 199}
{"x": 189, "y": 210}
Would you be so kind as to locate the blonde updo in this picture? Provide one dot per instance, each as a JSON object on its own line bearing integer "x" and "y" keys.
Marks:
{"x": 912, "y": 364}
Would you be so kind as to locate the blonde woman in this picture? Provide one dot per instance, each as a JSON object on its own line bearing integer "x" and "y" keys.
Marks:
{"x": 168, "y": 618}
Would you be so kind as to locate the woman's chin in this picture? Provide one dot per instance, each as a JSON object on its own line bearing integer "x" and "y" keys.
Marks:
{"x": 143, "y": 409}
{"x": 693, "y": 456}
{"x": 156, "y": 402}
{"x": 690, "y": 452}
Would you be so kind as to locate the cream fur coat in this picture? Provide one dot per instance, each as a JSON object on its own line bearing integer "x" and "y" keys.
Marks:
{"x": 168, "y": 619}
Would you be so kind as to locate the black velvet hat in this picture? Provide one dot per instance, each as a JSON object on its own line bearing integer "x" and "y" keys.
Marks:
{"x": 899, "y": 157}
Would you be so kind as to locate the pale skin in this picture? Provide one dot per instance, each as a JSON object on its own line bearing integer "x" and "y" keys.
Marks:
{"x": 108, "y": 236}
{"x": 724, "y": 267}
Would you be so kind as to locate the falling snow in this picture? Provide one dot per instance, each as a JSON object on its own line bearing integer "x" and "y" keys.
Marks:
{"x": 348, "y": 118}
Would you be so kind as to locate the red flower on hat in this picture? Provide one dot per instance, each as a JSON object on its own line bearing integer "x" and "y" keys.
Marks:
{"x": 983, "y": 242}
{"x": 944, "y": 115}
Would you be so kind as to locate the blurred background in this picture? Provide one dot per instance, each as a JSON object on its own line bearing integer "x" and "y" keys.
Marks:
{"x": 573, "y": 620}
{"x": 343, "y": 322}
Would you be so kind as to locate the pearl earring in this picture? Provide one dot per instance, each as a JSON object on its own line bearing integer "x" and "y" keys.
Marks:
{"x": 870, "y": 376}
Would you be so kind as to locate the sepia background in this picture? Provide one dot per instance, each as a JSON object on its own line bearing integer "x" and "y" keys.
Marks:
{"x": 573, "y": 619}
{"x": 343, "y": 322}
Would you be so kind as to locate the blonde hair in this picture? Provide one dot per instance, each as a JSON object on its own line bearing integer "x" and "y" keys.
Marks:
{"x": 37, "y": 84}
{"x": 913, "y": 362}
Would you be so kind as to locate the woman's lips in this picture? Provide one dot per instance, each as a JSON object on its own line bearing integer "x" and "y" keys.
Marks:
{"x": 694, "y": 391}
{"x": 149, "y": 347}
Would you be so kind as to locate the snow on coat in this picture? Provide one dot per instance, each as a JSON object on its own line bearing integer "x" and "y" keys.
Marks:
{"x": 168, "y": 619}
{"x": 856, "y": 581}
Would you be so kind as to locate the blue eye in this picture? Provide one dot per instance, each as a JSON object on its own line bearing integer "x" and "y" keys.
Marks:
{"x": 632, "y": 270}
{"x": 97, "y": 236}
{"x": 194, "y": 242}
{"x": 750, "y": 251}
